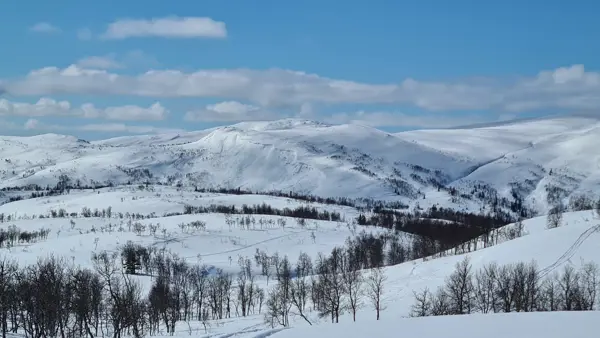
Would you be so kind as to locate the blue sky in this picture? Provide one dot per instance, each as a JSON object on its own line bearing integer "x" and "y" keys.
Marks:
{"x": 97, "y": 69}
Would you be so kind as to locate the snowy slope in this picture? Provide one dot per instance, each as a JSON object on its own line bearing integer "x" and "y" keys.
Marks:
{"x": 521, "y": 325}
{"x": 77, "y": 238}
{"x": 219, "y": 246}
{"x": 329, "y": 160}
{"x": 551, "y": 249}
{"x": 531, "y": 155}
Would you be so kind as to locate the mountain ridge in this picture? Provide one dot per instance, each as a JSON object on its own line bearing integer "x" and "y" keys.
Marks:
{"x": 447, "y": 167}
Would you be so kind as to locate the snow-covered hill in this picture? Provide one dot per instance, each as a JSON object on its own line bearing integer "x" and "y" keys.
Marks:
{"x": 220, "y": 245}
{"x": 527, "y": 158}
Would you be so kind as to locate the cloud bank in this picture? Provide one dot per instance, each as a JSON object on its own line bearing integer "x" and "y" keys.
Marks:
{"x": 51, "y": 107}
{"x": 570, "y": 88}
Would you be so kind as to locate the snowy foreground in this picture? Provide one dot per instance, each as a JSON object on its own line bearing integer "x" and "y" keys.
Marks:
{"x": 512, "y": 325}
{"x": 220, "y": 245}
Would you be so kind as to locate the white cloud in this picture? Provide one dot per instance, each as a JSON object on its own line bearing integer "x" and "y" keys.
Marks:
{"x": 33, "y": 124}
{"x": 229, "y": 111}
{"x": 156, "y": 112}
{"x": 50, "y": 107}
{"x": 139, "y": 59}
{"x": 100, "y": 62}
{"x": 131, "y": 59}
{"x": 168, "y": 27}
{"x": 232, "y": 107}
{"x": 43, "y": 107}
{"x": 44, "y": 27}
{"x": 84, "y": 34}
{"x": 564, "y": 88}
{"x": 123, "y": 128}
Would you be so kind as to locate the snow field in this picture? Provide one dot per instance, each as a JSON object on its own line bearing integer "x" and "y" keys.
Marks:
{"x": 575, "y": 242}
{"x": 326, "y": 160}
{"x": 501, "y": 325}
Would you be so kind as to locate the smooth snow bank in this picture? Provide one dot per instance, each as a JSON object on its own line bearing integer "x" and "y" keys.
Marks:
{"x": 507, "y": 325}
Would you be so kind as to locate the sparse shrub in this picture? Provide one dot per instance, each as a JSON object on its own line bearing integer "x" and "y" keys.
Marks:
{"x": 554, "y": 218}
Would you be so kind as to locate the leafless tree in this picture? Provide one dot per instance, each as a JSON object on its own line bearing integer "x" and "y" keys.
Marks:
{"x": 548, "y": 300}
{"x": 279, "y": 300}
{"x": 440, "y": 304}
{"x": 330, "y": 285}
{"x": 568, "y": 288}
{"x": 375, "y": 282}
{"x": 423, "y": 304}
{"x": 300, "y": 286}
{"x": 352, "y": 279}
{"x": 589, "y": 284}
{"x": 8, "y": 270}
{"x": 460, "y": 289}
{"x": 505, "y": 288}
{"x": 554, "y": 218}
{"x": 486, "y": 299}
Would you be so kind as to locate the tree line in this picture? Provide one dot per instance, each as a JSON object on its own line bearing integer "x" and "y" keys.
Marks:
{"x": 53, "y": 298}
{"x": 438, "y": 229}
{"x": 304, "y": 212}
{"x": 13, "y": 236}
{"x": 520, "y": 287}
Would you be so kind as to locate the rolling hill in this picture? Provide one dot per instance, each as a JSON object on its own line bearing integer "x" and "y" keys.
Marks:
{"x": 474, "y": 168}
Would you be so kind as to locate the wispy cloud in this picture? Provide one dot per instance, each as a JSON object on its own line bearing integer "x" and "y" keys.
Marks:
{"x": 44, "y": 27}
{"x": 229, "y": 111}
{"x": 168, "y": 27}
{"x": 84, "y": 34}
{"x": 34, "y": 124}
{"x": 50, "y": 107}
{"x": 100, "y": 62}
{"x": 131, "y": 59}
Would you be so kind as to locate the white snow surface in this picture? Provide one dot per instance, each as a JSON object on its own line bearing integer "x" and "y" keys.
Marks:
{"x": 328, "y": 160}
{"x": 575, "y": 242}
{"x": 316, "y": 158}
{"x": 522, "y": 325}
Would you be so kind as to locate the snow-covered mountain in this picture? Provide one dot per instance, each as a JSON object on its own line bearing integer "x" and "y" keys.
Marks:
{"x": 452, "y": 167}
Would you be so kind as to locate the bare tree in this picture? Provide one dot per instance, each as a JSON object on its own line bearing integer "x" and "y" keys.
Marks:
{"x": 589, "y": 285}
{"x": 275, "y": 311}
{"x": 505, "y": 288}
{"x": 330, "y": 285}
{"x": 375, "y": 282}
{"x": 300, "y": 286}
{"x": 460, "y": 289}
{"x": 548, "y": 300}
{"x": 245, "y": 286}
{"x": 279, "y": 300}
{"x": 486, "y": 299}
{"x": 353, "y": 282}
{"x": 554, "y": 218}
{"x": 423, "y": 304}
{"x": 440, "y": 304}
{"x": 8, "y": 270}
{"x": 568, "y": 288}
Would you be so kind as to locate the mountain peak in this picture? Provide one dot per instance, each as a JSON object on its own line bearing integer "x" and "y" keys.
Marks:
{"x": 283, "y": 124}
